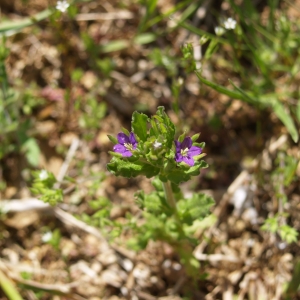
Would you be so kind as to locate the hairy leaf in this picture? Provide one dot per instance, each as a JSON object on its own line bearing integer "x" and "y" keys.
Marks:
{"x": 128, "y": 168}
{"x": 139, "y": 125}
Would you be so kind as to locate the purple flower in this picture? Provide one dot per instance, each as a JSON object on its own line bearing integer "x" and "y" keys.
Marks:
{"x": 126, "y": 144}
{"x": 185, "y": 151}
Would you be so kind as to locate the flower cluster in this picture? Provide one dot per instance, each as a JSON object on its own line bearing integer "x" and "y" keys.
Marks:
{"x": 184, "y": 152}
{"x": 62, "y": 6}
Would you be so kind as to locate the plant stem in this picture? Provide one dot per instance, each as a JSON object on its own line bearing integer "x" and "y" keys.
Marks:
{"x": 169, "y": 194}
{"x": 184, "y": 249}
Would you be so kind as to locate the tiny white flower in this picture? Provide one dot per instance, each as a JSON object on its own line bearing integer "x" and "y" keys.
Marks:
{"x": 219, "y": 30}
{"x": 180, "y": 81}
{"x": 157, "y": 145}
{"x": 230, "y": 23}
{"x": 43, "y": 175}
{"x": 47, "y": 237}
{"x": 62, "y": 5}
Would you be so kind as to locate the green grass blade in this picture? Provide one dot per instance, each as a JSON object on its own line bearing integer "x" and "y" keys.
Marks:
{"x": 20, "y": 24}
{"x": 168, "y": 14}
{"x": 189, "y": 10}
{"x": 246, "y": 97}
{"x": 298, "y": 111}
{"x": 219, "y": 88}
{"x": 284, "y": 116}
{"x": 144, "y": 38}
{"x": 8, "y": 288}
{"x": 201, "y": 32}
{"x": 114, "y": 46}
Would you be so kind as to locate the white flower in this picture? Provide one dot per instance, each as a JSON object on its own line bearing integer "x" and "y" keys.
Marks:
{"x": 43, "y": 175}
{"x": 156, "y": 145}
{"x": 219, "y": 30}
{"x": 47, "y": 237}
{"x": 62, "y": 5}
{"x": 230, "y": 23}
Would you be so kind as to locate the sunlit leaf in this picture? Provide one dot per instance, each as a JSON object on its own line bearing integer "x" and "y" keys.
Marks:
{"x": 145, "y": 38}
{"x": 17, "y": 25}
{"x": 115, "y": 45}
{"x": 128, "y": 168}
{"x": 32, "y": 151}
{"x": 139, "y": 125}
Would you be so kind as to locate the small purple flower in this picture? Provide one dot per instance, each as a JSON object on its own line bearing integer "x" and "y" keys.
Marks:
{"x": 185, "y": 151}
{"x": 126, "y": 144}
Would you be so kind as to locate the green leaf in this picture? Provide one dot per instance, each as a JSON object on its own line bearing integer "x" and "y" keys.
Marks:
{"x": 290, "y": 170}
{"x": 115, "y": 154}
{"x": 165, "y": 15}
{"x": 189, "y": 10}
{"x": 185, "y": 172}
{"x": 166, "y": 126}
{"x": 201, "y": 145}
{"x": 139, "y": 125}
{"x": 125, "y": 131}
{"x": 151, "y": 5}
{"x": 113, "y": 139}
{"x": 220, "y": 89}
{"x": 202, "y": 32}
{"x": 32, "y": 151}
{"x": 298, "y": 111}
{"x": 294, "y": 284}
{"x": 197, "y": 225}
{"x": 121, "y": 44}
{"x": 271, "y": 224}
{"x": 284, "y": 116}
{"x": 9, "y": 287}
{"x": 17, "y": 25}
{"x": 154, "y": 203}
{"x": 145, "y": 38}
{"x": 280, "y": 111}
{"x": 211, "y": 49}
{"x": 245, "y": 96}
{"x": 195, "y": 208}
{"x": 154, "y": 129}
{"x": 195, "y": 137}
{"x": 128, "y": 168}
{"x": 181, "y": 137}
{"x": 177, "y": 176}
{"x": 288, "y": 234}
{"x": 115, "y": 45}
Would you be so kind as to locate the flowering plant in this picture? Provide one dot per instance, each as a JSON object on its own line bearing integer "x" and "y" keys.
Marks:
{"x": 152, "y": 149}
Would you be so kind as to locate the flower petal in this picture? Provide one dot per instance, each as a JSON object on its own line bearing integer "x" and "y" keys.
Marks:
{"x": 127, "y": 153}
{"x": 120, "y": 148}
{"x": 132, "y": 139}
{"x": 194, "y": 151}
{"x": 123, "y": 138}
{"x": 177, "y": 145}
{"x": 188, "y": 160}
{"x": 178, "y": 157}
{"x": 187, "y": 143}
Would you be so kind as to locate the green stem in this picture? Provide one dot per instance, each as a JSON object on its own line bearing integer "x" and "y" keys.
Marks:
{"x": 183, "y": 247}
{"x": 169, "y": 194}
